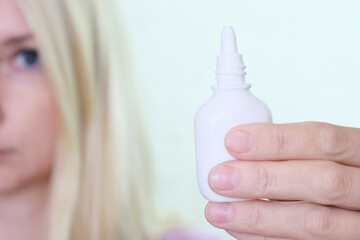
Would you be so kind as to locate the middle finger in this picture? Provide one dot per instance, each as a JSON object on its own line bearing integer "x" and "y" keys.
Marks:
{"x": 319, "y": 181}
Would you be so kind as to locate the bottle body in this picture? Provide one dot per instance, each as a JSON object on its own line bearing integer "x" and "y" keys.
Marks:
{"x": 227, "y": 108}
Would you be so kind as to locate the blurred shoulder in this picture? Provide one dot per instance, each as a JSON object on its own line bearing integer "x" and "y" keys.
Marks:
{"x": 187, "y": 234}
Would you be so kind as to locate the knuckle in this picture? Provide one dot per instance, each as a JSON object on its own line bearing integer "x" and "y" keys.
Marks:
{"x": 334, "y": 184}
{"x": 252, "y": 217}
{"x": 265, "y": 180}
{"x": 278, "y": 142}
{"x": 331, "y": 139}
{"x": 318, "y": 222}
{"x": 282, "y": 142}
{"x": 265, "y": 238}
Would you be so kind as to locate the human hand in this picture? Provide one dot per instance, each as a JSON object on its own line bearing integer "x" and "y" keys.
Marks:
{"x": 317, "y": 163}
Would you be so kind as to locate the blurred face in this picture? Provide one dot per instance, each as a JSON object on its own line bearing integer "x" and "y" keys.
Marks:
{"x": 28, "y": 116}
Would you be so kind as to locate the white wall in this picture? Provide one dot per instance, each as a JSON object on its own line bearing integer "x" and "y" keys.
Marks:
{"x": 302, "y": 57}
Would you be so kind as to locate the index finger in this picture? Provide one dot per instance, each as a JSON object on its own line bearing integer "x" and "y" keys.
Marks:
{"x": 295, "y": 141}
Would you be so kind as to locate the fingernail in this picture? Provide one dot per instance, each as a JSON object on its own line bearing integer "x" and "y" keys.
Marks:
{"x": 240, "y": 141}
{"x": 219, "y": 212}
{"x": 224, "y": 178}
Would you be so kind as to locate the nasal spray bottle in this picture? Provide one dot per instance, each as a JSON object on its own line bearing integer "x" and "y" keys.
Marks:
{"x": 232, "y": 104}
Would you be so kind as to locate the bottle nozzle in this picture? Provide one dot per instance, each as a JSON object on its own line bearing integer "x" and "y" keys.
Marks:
{"x": 228, "y": 41}
{"x": 230, "y": 66}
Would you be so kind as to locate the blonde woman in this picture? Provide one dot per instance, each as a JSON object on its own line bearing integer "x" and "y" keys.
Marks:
{"x": 74, "y": 163}
{"x": 70, "y": 140}
{"x": 73, "y": 155}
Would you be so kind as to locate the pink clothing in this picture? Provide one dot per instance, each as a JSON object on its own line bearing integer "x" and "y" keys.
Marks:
{"x": 181, "y": 234}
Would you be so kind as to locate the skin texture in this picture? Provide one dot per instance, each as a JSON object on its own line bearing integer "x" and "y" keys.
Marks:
{"x": 315, "y": 163}
{"x": 28, "y": 131}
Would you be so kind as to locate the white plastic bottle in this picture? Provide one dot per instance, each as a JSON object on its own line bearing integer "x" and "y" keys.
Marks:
{"x": 232, "y": 104}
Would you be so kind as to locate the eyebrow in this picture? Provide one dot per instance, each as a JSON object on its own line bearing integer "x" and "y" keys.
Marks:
{"x": 16, "y": 40}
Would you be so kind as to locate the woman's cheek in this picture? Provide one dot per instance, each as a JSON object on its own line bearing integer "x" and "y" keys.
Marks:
{"x": 41, "y": 139}
{"x": 33, "y": 119}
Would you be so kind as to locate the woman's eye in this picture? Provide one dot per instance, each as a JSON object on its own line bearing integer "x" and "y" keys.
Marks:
{"x": 27, "y": 59}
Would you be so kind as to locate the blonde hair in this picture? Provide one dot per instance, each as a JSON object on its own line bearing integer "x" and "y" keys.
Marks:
{"x": 100, "y": 179}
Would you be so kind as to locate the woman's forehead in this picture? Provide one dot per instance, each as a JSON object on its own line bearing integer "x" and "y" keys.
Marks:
{"x": 13, "y": 26}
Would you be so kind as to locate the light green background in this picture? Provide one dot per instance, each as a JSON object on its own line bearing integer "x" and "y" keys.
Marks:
{"x": 302, "y": 58}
